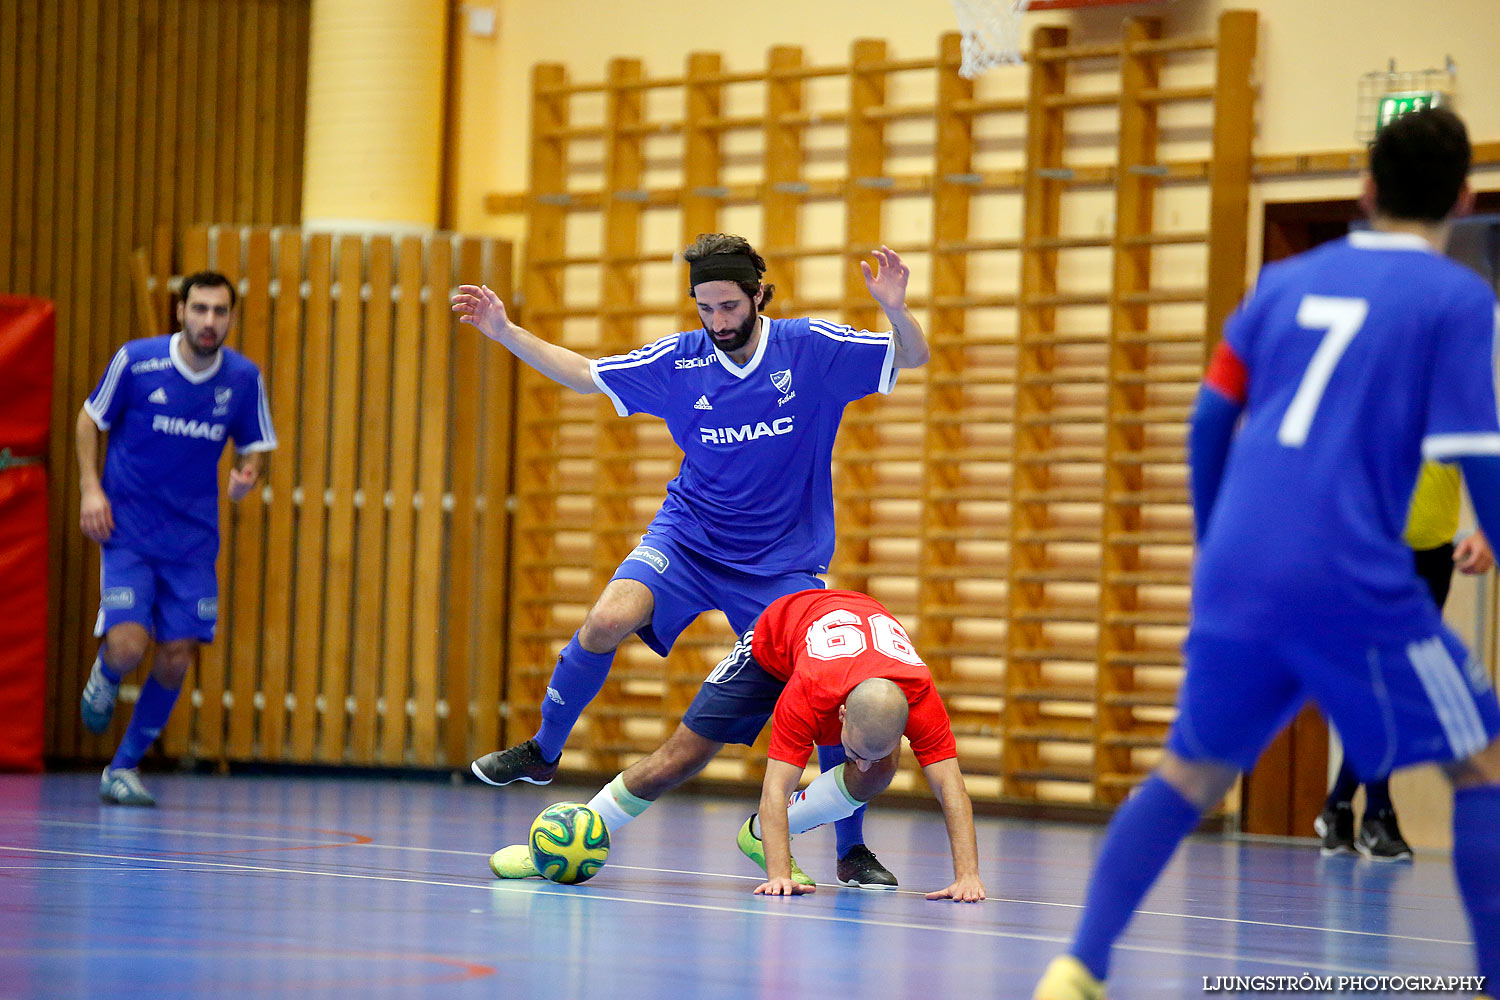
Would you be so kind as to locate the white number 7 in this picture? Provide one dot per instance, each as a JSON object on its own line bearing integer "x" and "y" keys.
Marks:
{"x": 1341, "y": 318}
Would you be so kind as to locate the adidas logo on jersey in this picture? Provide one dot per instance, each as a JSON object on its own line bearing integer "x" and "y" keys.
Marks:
{"x": 159, "y": 396}
{"x": 703, "y": 404}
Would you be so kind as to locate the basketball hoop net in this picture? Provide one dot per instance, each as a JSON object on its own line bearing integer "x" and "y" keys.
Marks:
{"x": 992, "y": 33}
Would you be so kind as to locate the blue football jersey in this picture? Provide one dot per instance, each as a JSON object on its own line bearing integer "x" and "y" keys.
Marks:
{"x": 167, "y": 428}
{"x": 755, "y": 491}
{"x": 1363, "y": 356}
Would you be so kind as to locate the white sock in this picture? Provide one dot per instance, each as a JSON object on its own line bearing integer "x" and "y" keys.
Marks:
{"x": 823, "y": 801}
{"x": 616, "y": 806}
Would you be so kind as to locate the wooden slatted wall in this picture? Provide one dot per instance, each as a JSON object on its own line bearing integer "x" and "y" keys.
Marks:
{"x": 117, "y": 116}
{"x": 362, "y": 589}
{"x": 1076, "y": 233}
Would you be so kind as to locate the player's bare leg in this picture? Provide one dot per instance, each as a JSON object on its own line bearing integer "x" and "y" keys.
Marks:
{"x": 582, "y": 666}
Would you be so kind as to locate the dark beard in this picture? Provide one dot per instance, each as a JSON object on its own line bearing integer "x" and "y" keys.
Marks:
{"x": 740, "y": 339}
{"x": 201, "y": 352}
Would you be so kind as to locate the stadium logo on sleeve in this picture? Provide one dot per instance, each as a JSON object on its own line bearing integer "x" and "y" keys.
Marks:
{"x": 651, "y": 557}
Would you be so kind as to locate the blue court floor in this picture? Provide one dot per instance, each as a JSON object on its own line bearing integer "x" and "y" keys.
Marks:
{"x": 324, "y": 887}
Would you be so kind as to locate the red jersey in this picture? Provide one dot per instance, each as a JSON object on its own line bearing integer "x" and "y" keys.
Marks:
{"x": 823, "y": 643}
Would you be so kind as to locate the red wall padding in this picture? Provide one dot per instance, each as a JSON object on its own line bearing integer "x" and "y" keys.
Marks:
{"x": 26, "y": 333}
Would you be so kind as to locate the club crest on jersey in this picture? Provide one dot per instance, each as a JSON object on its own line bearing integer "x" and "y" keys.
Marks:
{"x": 782, "y": 380}
{"x": 746, "y": 432}
{"x": 222, "y": 396}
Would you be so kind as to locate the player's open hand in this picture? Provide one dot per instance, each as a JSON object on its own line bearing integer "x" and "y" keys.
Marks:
{"x": 240, "y": 482}
{"x": 783, "y": 887}
{"x": 967, "y": 889}
{"x": 95, "y": 516}
{"x": 480, "y": 307}
{"x": 887, "y": 282}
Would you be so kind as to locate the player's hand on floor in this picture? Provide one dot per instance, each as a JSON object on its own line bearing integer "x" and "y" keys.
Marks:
{"x": 783, "y": 887}
{"x": 964, "y": 890}
{"x": 95, "y": 516}
{"x": 482, "y": 308}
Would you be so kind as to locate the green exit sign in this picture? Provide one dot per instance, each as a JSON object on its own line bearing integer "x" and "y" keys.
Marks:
{"x": 1393, "y": 106}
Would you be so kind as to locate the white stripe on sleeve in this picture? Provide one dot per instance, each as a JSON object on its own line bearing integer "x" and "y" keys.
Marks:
{"x": 99, "y": 403}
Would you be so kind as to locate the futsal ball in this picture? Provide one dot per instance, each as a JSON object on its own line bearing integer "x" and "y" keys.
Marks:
{"x": 568, "y": 843}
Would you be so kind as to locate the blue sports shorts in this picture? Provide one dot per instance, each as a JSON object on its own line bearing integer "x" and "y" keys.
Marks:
{"x": 735, "y": 700}
{"x": 685, "y": 584}
{"x": 1419, "y": 700}
{"x": 171, "y": 600}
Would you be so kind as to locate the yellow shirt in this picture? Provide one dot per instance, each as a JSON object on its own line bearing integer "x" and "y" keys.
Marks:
{"x": 1433, "y": 520}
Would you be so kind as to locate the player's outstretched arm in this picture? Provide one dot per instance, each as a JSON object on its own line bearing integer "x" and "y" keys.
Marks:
{"x": 95, "y": 516}
{"x": 478, "y": 306}
{"x": 775, "y": 835}
{"x": 887, "y": 285}
{"x": 947, "y": 783}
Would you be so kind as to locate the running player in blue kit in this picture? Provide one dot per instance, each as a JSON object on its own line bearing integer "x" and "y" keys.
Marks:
{"x": 1343, "y": 369}
{"x": 755, "y": 404}
{"x": 169, "y": 405}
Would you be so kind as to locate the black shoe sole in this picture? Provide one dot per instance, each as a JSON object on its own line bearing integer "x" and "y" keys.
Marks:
{"x": 501, "y": 784}
{"x": 855, "y": 884}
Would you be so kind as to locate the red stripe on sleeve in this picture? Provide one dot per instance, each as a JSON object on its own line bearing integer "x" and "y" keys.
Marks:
{"x": 1227, "y": 374}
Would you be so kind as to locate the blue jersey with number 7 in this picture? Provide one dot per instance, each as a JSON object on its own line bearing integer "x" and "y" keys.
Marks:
{"x": 1354, "y": 362}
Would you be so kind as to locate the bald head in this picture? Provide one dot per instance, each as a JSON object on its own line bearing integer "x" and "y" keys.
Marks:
{"x": 875, "y": 717}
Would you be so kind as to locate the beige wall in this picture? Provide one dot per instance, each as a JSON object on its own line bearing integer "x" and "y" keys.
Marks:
{"x": 1311, "y": 57}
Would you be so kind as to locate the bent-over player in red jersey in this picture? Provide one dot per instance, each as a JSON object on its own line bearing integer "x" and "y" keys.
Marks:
{"x": 828, "y": 668}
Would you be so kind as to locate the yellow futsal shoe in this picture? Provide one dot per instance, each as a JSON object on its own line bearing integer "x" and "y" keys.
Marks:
{"x": 513, "y": 862}
{"x": 1068, "y": 979}
{"x": 753, "y": 849}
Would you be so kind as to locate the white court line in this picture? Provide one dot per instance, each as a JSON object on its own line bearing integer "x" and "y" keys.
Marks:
{"x": 136, "y": 830}
{"x": 1278, "y": 925}
{"x": 528, "y": 886}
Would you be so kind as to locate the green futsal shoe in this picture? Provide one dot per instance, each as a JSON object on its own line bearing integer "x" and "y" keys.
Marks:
{"x": 513, "y": 862}
{"x": 753, "y": 849}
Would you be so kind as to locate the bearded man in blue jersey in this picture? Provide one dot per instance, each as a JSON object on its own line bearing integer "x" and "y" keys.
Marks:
{"x": 169, "y": 405}
{"x": 1343, "y": 369}
{"x": 754, "y": 403}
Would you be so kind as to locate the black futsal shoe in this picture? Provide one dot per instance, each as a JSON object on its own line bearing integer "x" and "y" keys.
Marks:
{"x": 1335, "y": 824}
{"x": 861, "y": 868}
{"x": 523, "y": 762}
{"x": 1380, "y": 837}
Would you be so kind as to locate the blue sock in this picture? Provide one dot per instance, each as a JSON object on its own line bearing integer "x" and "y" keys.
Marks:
{"x": 575, "y": 681}
{"x": 1140, "y": 841}
{"x": 850, "y": 830}
{"x": 110, "y": 673}
{"x": 151, "y": 711}
{"x": 1476, "y": 867}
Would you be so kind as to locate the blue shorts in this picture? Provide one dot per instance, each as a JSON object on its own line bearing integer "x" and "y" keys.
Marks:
{"x": 171, "y": 600}
{"x": 1393, "y": 705}
{"x": 735, "y": 700}
{"x": 685, "y": 584}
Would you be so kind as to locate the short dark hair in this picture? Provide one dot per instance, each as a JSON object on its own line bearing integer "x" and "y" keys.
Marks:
{"x": 1420, "y": 162}
{"x": 709, "y": 244}
{"x": 208, "y": 279}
